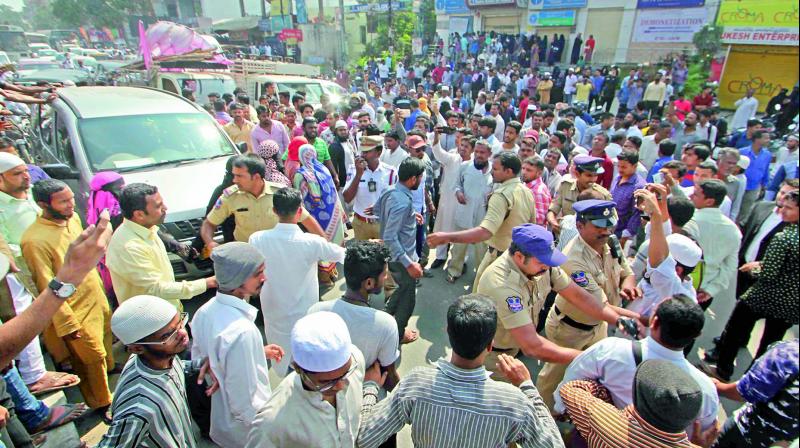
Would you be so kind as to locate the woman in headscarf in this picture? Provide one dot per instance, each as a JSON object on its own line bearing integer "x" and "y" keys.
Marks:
{"x": 292, "y": 156}
{"x": 268, "y": 150}
{"x": 321, "y": 200}
{"x": 423, "y": 106}
{"x": 104, "y": 190}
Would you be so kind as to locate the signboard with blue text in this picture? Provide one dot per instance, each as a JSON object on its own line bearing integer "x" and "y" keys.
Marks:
{"x": 451, "y": 6}
{"x": 376, "y": 7}
{"x": 644, "y": 4}
{"x": 557, "y": 4}
{"x": 551, "y": 18}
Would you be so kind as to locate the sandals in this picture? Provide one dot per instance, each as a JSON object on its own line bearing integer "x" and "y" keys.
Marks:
{"x": 69, "y": 413}
{"x": 53, "y": 379}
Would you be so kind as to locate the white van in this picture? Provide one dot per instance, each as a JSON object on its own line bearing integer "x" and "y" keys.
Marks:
{"x": 147, "y": 135}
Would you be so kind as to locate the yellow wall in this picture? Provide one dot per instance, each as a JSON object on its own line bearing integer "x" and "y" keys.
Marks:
{"x": 767, "y": 69}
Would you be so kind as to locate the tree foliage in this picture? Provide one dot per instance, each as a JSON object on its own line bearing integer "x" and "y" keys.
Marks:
{"x": 9, "y": 16}
{"x": 111, "y": 13}
{"x": 405, "y": 26}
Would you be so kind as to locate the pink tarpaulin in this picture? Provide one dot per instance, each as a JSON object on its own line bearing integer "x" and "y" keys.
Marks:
{"x": 171, "y": 39}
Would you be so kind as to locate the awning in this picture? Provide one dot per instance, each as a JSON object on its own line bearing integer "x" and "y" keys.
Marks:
{"x": 236, "y": 24}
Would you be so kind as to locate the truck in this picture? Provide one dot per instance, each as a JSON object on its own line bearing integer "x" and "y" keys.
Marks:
{"x": 254, "y": 76}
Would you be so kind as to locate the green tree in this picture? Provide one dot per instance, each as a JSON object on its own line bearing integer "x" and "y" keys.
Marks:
{"x": 708, "y": 42}
{"x": 8, "y": 16}
{"x": 109, "y": 13}
{"x": 405, "y": 26}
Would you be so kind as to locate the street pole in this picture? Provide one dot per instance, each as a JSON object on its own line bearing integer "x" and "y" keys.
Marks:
{"x": 343, "y": 40}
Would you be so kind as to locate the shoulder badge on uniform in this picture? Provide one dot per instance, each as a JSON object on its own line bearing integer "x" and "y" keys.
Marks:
{"x": 230, "y": 190}
{"x": 218, "y": 204}
{"x": 580, "y": 279}
{"x": 514, "y": 304}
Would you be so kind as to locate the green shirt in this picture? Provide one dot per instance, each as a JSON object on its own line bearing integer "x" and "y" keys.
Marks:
{"x": 322, "y": 150}
{"x": 15, "y": 217}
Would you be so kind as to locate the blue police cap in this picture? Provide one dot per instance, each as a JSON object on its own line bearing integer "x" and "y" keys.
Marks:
{"x": 599, "y": 212}
{"x": 537, "y": 241}
{"x": 589, "y": 163}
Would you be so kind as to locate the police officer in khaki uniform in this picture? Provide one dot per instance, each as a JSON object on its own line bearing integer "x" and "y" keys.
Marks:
{"x": 510, "y": 205}
{"x": 587, "y": 168}
{"x": 595, "y": 262}
{"x": 250, "y": 202}
{"x": 518, "y": 283}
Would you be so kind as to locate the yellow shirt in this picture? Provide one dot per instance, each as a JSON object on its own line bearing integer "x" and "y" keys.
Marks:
{"x": 251, "y": 213}
{"x": 601, "y": 275}
{"x": 138, "y": 262}
{"x": 567, "y": 194}
{"x": 240, "y": 134}
{"x": 517, "y": 298}
{"x": 582, "y": 91}
{"x": 510, "y": 205}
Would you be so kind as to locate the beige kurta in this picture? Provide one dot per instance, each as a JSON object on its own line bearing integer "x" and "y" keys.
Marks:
{"x": 44, "y": 245}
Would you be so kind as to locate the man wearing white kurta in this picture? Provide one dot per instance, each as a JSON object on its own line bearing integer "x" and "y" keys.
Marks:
{"x": 473, "y": 185}
{"x": 446, "y": 213}
{"x": 291, "y": 271}
{"x": 746, "y": 109}
{"x": 225, "y": 332}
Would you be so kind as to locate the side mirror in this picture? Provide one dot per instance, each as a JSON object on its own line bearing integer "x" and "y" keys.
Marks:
{"x": 242, "y": 147}
{"x": 61, "y": 171}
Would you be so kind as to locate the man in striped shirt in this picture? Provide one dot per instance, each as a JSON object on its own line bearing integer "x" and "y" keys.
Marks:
{"x": 457, "y": 404}
{"x": 666, "y": 400}
{"x": 150, "y": 408}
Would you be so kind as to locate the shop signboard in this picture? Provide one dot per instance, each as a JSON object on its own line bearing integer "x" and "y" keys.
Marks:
{"x": 551, "y": 18}
{"x": 557, "y": 4}
{"x": 669, "y": 25}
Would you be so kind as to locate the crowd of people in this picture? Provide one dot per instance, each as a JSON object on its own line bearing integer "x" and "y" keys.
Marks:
{"x": 598, "y": 243}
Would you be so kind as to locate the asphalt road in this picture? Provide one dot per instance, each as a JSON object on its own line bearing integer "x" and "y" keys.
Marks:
{"x": 434, "y": 295}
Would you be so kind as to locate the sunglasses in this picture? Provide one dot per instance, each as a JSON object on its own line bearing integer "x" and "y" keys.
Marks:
{"x": 328, "y": 385}
{"x": 167, "y": 338}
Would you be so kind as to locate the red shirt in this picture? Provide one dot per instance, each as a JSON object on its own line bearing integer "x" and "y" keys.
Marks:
{"x": 523, "y": 110}
{"x": 607, "y": 177}
{"x": 682, "y": 107}
{"x": 700, "y": 100}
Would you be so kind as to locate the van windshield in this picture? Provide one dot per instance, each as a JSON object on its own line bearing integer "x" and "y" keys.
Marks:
{"x": 202, "y": 87}
{"x": 312, "y": 90}
{"x": 137, "y": 142}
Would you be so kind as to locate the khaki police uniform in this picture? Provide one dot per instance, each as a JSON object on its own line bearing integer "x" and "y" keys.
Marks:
{"x": 567, "y": 195}
{"x": 518, "y": 301}
{"x": 510, "y": 205}
{"x": 251, "y": 213}
{"x": 599, "y": 274}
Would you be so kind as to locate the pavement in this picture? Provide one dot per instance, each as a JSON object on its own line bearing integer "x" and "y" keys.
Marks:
{"x": 434, "y": 296}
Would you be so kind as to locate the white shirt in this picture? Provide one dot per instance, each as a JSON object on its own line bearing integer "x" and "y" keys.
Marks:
{"x": 569, "y": 84}
{"x": 296, "y": 417}
{"x": 745, "y": 109}
{"x": 225, "y": 332}
{"x": 707, "y": 132}
{"x": 292, "y": 286}
{"x": 392, "y": 158}
{"x": 611, "y": 362}
{"x": 663, "y": 283}
{"x": 501, "y": 127}
{"x": 785, "y": 156}
{"x": 634, "y": 131}
{"x": 383, "y": 71}
{"x": 767, "y": 226}
{"x": 373, "y": 331}
{"x": 720, "y": 239}
{"x": 477, "y": 186}
{"x": 648, "y": 152}
{"x": 569, "y": 230}
{"x": 383, "y": 176}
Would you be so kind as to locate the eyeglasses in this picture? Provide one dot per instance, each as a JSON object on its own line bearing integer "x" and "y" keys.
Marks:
{"x": 328, "y": 385}
{"x": 168, "y": 337}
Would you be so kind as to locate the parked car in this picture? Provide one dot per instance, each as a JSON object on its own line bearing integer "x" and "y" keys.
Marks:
{"x": 147, "y": 135}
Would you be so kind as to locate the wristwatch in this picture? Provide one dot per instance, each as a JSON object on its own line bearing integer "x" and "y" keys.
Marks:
{"x": 62, "y": 290}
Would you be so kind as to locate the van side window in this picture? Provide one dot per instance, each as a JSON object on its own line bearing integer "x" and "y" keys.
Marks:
{"x": 63, "y": 143}
{"x": 169, "y": 86}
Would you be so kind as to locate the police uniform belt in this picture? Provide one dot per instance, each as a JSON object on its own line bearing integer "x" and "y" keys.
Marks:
{"x": 572, "y": 323}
